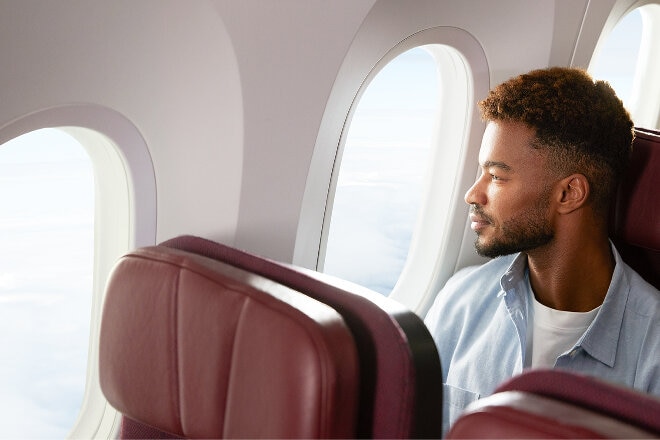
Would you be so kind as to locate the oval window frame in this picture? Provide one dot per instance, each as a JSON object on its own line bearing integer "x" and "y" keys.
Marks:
{"x": 430, "y": 262}
{"x": 125, "y": 182}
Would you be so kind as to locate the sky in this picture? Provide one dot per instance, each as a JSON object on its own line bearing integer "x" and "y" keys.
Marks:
{"x": 46, "y": 257}
{"x": 619, "y": 55}
{"x": 380, "y": 182}
{"x": 46, "y": 231}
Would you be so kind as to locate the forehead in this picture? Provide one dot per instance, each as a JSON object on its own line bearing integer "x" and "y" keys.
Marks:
{"x": 510, "y": 143}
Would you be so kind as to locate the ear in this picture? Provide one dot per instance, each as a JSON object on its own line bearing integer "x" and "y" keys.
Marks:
{"x": 573, "y": 192}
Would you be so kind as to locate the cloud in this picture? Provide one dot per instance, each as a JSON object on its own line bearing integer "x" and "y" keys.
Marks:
{"x": 43, "y": 361}
{"x": 7, "y": 281}
{"x": 46, "y": 263}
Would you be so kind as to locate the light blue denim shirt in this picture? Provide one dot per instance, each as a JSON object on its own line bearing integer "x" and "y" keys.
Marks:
{"x": 479, "y": 322}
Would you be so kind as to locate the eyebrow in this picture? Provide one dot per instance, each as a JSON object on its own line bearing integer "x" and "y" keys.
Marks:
{"x": 495, "y": 164}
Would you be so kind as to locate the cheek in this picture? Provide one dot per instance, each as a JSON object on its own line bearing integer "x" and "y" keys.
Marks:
{"x": 506, "y": 202}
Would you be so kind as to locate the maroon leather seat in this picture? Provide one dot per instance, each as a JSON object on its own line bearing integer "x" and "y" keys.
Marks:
{"x": 560, "y": 404}
{"x": 635, "y": 221}
{"x": 192, "y": 347}
{"x": 613, "y": 400}
{"x": 400, "y": 374}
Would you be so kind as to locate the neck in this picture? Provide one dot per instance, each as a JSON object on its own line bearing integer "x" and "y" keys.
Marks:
{"x": 571, "y": 274}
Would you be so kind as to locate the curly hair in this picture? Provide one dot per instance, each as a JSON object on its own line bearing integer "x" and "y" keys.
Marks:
{"x": 580, "y": 122}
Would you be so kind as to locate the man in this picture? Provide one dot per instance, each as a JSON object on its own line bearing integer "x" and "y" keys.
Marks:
{"x": 556, "y": 293}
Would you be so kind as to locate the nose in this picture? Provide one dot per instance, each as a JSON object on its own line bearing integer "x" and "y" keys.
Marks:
{"x": 476, "y": 195}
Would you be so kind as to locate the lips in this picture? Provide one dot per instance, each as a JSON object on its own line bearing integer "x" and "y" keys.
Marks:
{"x": 478, "y": 220}
{"x": 477, "y": 223}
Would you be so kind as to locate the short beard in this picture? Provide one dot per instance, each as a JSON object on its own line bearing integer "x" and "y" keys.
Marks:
{"x": 525, "y": 232}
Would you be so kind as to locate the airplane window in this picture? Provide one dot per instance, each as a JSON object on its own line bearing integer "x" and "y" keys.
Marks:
{"x": 616, "y": 60}
{"x": 46, "y": 271}
{"x": 627, "y": 58}
{"x": 380, "y": 182}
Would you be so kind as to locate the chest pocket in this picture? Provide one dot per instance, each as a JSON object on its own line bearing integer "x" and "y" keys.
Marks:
{"x": 456, "y": 399}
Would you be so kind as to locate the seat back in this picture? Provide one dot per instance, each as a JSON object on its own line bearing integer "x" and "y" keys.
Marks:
{"x": 400, "y": 374}
{"x": 635, "y": 221}
{"x": 196, "y": 348}
{"x": 589, "y": 392}
{"x": 560, "y": 404}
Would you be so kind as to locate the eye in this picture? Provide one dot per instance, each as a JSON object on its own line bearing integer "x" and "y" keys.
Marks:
{"x": 493, "y": 177}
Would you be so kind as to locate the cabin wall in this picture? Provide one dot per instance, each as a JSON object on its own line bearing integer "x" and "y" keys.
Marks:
{"x": 289, "y": 52}
{"x": 167, "y": 66}
{"x": 232, "y": 96}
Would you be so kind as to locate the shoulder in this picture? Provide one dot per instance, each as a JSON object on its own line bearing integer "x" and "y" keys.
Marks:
{"x": 463, "y": 288}
{"x": 486, "y": 274}
{"x": 630, "y": 292}
{"x": 643, "y": 298}
{"x": 641, "y": 323}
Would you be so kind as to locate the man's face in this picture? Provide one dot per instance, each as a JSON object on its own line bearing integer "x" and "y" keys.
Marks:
{"x": 510, "y": 200}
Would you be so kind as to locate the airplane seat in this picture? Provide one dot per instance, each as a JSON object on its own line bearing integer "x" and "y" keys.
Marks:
{"x": 635, "y": 215}
{"x": 132, "y": 429}
{"x": 400, "y": 374}
{"x": 195, "y": 348}
{"x": 552, "y": 403}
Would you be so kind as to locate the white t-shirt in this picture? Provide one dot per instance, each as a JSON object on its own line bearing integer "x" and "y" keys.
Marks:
{"x": 555, "y": 332}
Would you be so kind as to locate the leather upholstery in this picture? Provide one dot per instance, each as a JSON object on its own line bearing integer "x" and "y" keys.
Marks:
{"x": 626, "y": 404}
{"x": 131, "y": 429}
{"x": 635, "y": 223}
{"x": 560, "y": 404}
{"x": 516, "y": 415}
{"x": 400, "y": 374}
{"x": 180, "y": 351}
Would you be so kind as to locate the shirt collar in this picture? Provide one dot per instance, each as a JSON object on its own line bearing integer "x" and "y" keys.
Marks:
{"x": 515, "y": 287}
{"x": 601, "y": 339}
{"x": 514, "y": 274}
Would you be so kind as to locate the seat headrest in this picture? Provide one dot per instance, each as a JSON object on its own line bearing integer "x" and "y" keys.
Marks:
{"x": 180, "y": 350}
{"x": 613, "y": 400}
{"x": 637, "y": 208}
{"x": 554, "y": 403}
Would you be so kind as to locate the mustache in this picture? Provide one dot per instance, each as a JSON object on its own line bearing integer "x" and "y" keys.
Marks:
{"x": 478, "y": 211}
